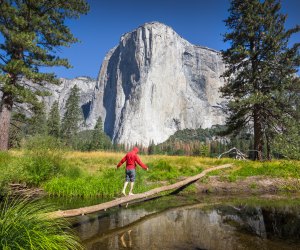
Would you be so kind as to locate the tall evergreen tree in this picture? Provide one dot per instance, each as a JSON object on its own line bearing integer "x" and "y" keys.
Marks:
{"x": 260, "y": 78}
{"x": 100, "y": 140}
{"x": 32, "y": 30}
{"x": 73, "y": 115}
{"x": 17, "y": 131}
{"x": 53, "y": 122}
{"x": 98, "y": 136}
{"x": 38, "y": 122}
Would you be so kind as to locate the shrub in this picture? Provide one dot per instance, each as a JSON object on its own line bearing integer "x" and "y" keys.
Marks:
{"x": 44, "y": 159}
{"x": 43, "y": 142}
{"x": 11, "y": 171}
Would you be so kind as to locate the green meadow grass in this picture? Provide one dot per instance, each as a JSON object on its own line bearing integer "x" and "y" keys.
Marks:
{"x": 273, "y": 169}
{"x": 89, "y": 174}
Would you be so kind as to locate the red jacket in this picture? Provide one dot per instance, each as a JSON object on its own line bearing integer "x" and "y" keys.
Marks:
{"x": 131, "y": 159}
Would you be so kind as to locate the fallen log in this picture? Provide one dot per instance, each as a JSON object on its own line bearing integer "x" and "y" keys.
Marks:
{"x": 239, "y": 154}
{"x": 126, "y": 199}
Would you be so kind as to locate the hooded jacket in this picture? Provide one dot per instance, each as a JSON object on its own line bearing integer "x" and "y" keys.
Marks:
{"x": 131, "y": 159}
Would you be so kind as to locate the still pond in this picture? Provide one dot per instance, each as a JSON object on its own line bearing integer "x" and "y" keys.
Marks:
{"x": 193, "y": 222}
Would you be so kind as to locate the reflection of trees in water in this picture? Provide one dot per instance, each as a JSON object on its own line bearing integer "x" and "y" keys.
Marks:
{"x": 283, "y": 224}
{"x": 265, "y": 222}
{"x": 190, "y": 227}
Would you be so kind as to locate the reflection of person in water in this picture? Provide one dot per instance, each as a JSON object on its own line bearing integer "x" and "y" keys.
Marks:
{"x": 129, "y": 239}
{"x": 131, "y": 159}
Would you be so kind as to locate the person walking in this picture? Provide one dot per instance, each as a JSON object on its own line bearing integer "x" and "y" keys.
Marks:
{"x": 131, "y": 159}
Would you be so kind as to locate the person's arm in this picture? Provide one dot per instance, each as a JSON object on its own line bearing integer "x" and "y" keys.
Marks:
{"x": 138, "y": 160}
{"x": 121, "y": 162}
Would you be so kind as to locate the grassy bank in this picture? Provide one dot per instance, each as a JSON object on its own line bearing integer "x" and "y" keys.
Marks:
{"x": 88, "y": 174}
{"x": 24, "y": 225}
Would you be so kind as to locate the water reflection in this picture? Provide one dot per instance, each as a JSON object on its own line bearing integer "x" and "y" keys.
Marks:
{"x": 128, "y": 241}
{"x": 194, "y": 227}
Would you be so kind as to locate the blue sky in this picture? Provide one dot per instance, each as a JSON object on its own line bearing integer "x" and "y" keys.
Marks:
{"x": 198, "y": 21}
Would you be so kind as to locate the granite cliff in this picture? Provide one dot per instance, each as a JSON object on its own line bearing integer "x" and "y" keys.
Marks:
{"x": 61, "y": 93}
{"x": 154, "y": 83}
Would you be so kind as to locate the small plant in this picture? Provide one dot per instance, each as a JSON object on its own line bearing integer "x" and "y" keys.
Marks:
{"x": 253, "y": 185}
{"x": 25, "y": 225}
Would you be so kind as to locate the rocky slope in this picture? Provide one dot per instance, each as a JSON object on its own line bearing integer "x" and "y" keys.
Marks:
{"x": 61, "y": 93}
{"x": 155, "y": 83}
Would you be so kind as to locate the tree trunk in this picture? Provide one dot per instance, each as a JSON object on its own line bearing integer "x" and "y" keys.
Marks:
{"x": 269, "y": 156}
{"x": 258, "y": 135}
{"x": 5, "y": 116}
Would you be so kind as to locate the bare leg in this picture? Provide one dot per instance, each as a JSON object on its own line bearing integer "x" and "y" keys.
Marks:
{"x": 124, "y": 188}
{"x": 123, "y": 240}
{"x": 130, "y": 241}
{"x": 131, "y": 188}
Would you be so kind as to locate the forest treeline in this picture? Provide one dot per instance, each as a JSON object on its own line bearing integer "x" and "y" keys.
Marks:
{"x": 67, "y": 130}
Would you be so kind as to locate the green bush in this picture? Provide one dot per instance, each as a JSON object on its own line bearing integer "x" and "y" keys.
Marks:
{"x": 11, "y": 171}
{"x": 43, "y": 165}
{"x": 44, "y": 159}
{"x": 25, "y": 225}
{"x": 5, "y": 159}
{"x": 43, "y": 142}
{"x": 73, "y": 172}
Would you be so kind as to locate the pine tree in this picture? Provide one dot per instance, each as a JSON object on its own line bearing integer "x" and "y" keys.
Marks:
{"x": 287, "y": 143}
{"x": 16, "y": 133}
{"x": 151, "y": 148}
{"x": 31, "y": 31}
{"x": 260, "y": 76}
{"x": 98, "y": 139}
{"x": 38, "y": 121}
{"x": 204, "y": 150}
{"x": 73, "y": 115}
{"x": 53, "y": 121}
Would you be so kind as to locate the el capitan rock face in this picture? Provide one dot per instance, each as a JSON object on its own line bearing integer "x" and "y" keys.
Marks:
{"x": 155, "y": 83}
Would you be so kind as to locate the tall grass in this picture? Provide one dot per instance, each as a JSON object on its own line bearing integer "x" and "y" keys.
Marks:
{"x": 11, "y": 170}
{"x": 273, "y": 169}
{"x": 24, "y": 225}
{"x": 108, "y": 183}
{"x": 99, "y": 176}
{"x": 44, "y": 159}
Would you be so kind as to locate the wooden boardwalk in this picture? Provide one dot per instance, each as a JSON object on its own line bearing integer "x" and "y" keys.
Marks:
{"x": 103, "y": 206}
